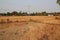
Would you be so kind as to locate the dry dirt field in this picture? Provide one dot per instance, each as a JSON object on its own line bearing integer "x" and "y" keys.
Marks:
{"x": 30, "y": 28}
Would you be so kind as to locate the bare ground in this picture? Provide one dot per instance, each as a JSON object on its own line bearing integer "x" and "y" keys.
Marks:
{"x": 31, "y": 30}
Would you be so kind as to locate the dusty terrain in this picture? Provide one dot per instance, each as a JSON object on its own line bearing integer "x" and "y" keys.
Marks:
{"x": 30, "y": 28}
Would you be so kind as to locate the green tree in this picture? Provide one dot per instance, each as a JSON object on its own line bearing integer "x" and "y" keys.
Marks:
{"x": 15, "y": 13}
{"x": 44, "y": 14}
{"x": 8, "y": 14}
{"x": 23, "y": 13}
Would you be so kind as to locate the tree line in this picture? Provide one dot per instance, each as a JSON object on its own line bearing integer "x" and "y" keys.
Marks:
{"x": 15, "y": 13}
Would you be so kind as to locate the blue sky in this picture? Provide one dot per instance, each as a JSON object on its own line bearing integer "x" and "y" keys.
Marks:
{"x": 29, "y": 5}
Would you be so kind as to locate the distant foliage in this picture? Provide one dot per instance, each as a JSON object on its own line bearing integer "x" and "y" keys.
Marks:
{"x": 15, "y": 13}
{"x": 58, "y": 1}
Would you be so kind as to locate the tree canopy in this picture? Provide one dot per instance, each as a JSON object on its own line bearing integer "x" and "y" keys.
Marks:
{"x": 58, "y": 1}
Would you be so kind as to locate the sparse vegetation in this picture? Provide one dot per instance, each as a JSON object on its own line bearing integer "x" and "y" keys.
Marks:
{"x": 30, "y": 28}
